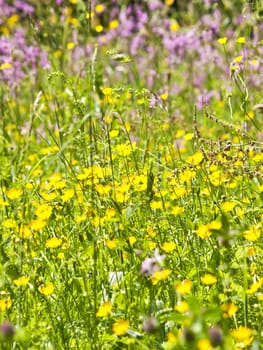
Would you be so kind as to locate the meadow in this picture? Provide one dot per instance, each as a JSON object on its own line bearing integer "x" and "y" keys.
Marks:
{"x": 131, "y": 175}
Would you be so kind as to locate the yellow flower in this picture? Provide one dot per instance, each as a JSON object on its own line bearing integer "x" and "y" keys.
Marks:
{"x": 120, "y": 327}
{"x": 160, "y": 276}
{"x": 181, "y": 307}
{"x": 237, "y": 59}
{"x": 114, "y": 24}
{"x": 215, "y": 225}
{"x": 255, "y": 287}
{"x": 21, "y": 281}
{"x": 37, "y": 225}
{"x": 67, "y": 195}
{"x": 112, "y": 244}
{"x": 229, "y": 310}
{"x": 114, "y": 133}
{"x": 70, "y": 46}
{"x": 169, "y": 2}
{"x": 5, "y": 304}
{"x": 253, "y": 233}
{"x": 204, "y": 344}
{"x": 222, "y": 41}
{"x": 168, "y": 247}
{"x": 47, "y": 290}
{"x": 89, "y": 15}
{"x": 156, "y": 205}
{"x": 14, "y": 193}
{"x": 99, "y": 8}
{"x": 103, "y": 189}
{"x": 184, "y": 287}
{"x": 5, "y": 66}
{"x": 171, "y": 338}
{"x": 177, "y": 210}
{"x": 208, "y": 279}
{"x": 53, "y": 242}
{"x": 241, "y": 40}
{"x": 217, "y": 178}
{"x": 243, "y": 335}
{"x": 195, "y": 159}
{"x": 9, "y": 223}
{"x": 125, "y": 149}
{"x": 43, "y": 211}
{"x": 151, "y": 232}
{"x": 203, "y": 231}
{"x": 251, "y": 251}
{"x": 24, "y": 231}
{"x": 132, "y": 240}
{"x": 189, "y": 136}
{"x": 174, "y": 27}
{"x": 104, "y": 309}
{"x": 228, "y": 206}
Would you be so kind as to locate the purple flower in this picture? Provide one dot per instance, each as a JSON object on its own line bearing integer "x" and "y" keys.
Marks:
{"x": 153, "y": 264}
{"x": 7, "y": 330}
{"x": 24, "y": 7}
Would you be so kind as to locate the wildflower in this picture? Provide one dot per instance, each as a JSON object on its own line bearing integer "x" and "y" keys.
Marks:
{"x": 160, "y": 276}
{"x": 104, "y": 309}
{"x": 253, "y": 233}
{"x": 120, "y": 327}
{"x": 203, "y": 231}
{"x": 43, "y": 211}
{"x": 237, "y": 59}
{"x": 229, "y": 310}
{"x": 24, "y": 231}
{"x": 222, "y": 41}
{"x": 156, "y": 205}
{"x": 174, "y": 27}
{"x": 169, "y": 2}
{"x": 177, "y": 210}
{"x": 67, "y": 195}
{"x": 151, "y": 265}
{"x": 181, "y": 307}
{"x": 70, "y": 45}
{"x": 114, "y": 24}
{"x": 241, "y": 40}
{"x": 243, "y": 335}
{"x": 112, "y": 244}
{"x": 37, "y": 224}
{"x": 5, "y": 66}
{"x": 132, "y": 240}
{"x": 204, "y": 344}
{"x": 89, "y": 15}
{"x": 103, "y": 189}
{"x": 125, "y": 150}
{"x": 184, "y": 287}
{"x": 21, "y": 281}
{"x": 215, "y": 336}
{"x": 9, "y": 223}
{"x": 5, "y": 304}
{"x": 195, "y": 159}
{"x": 171, "y": 338}
{"x": 228, "y": 206}
{"x": 14, "y": 193}
{"x": 251, "y": 251}
{"x": 255, "y": 287}
{"x": 208, "y": 279}
{"x": 53, "y": 242}
{"x": 168, "y": 247}
{"x": 7, "y": 330}
{"x": 114, "y": 133}
{"x": 99, "y": 8}
{"x": 47, "y": 289}
{"x": 150, "y": 325}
